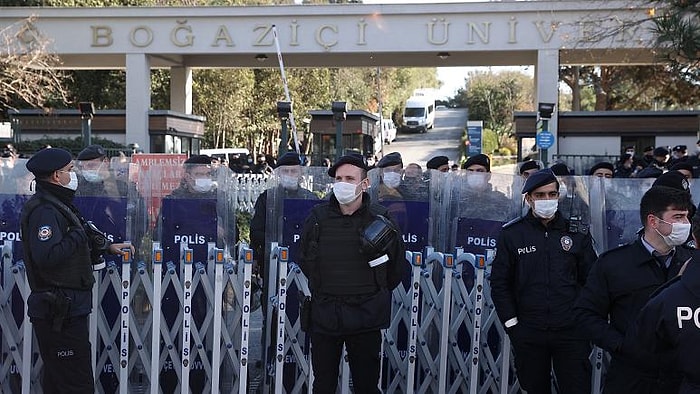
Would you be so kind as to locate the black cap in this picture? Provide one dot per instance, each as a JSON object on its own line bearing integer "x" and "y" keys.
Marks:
{"x": 529, "y": 165}
{"x": 354, "y": 159}
{"x": 538, "y": 179}
{"x": 480, "y": 159}
{"x": 672, "y": 179}
{"x": 602, "y": 164}
{"x": 436, "y": 162}
{"x": 649, "y": 148}
{"x": 680, "y": 148}
{"x": 48, "y": 160}
{"x": 289, "y": 159}
{"x": 560, "y": 169}
{"x": 92, "y": 152}
{"x": 660, "y": 151}
{"x": 198, "y": 159}
{"x": 392, "y": 159}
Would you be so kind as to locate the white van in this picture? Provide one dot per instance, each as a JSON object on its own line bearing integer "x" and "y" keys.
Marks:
{"x": 388, "y": 131}
{"x": 419, "y": 114}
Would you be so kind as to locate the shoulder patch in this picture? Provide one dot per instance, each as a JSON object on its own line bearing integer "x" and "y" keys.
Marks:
{"x": 512, "y": 222}
{"x": 45, "y": 233}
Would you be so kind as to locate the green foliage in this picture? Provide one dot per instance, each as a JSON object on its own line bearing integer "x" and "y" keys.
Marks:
{"x": 489, "y": 141}
{"x": 677, "y": 29}
{"x": 243, "y": 225}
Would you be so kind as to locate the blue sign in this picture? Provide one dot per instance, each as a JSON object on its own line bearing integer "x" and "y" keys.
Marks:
{"x": 474, "y": 137}
{"x": 545, "y": 139}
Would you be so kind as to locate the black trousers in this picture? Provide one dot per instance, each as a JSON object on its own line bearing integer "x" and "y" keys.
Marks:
{"x": 363, "y": 356}
{"x": 536, "y": 351}
{"x": 66, "y": 356}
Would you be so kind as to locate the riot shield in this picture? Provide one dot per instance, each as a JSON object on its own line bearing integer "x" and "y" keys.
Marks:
{"x": 479, "y": 205}
{"x": 16, "y": 187}
{"x": 194, "y": 221}
{"x": 283, "y": 209}
{"x": 409, "y": 204}
{"x": 115, "y": 208}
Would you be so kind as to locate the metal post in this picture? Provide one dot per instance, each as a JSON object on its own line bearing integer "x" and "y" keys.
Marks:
{"x": 87, "y": 110}
{"x": 544, "y": 151}
{"x": 339, "y": 109}
{"x": 545, "y": 139}
{"x": 284, "y": 110}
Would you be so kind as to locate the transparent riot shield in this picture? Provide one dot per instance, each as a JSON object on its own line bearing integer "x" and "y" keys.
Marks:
{"x": 409, "y": 204}
{"x": 20, "y": 365}
{"x": 479, "y": 205}
{"x": 194, "y": 237}
{"x": 282, "y": 209}
{"x": 117, "y": 212}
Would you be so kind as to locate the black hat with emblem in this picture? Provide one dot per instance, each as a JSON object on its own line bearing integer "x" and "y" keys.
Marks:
{"x": 92, "y": 152}
{"x": 673, "y": 179}
{"x": 539, "y": 179}
{"x": 354, "y": 159}
{"x": 480, "y": 159}
{"x": 48, "y": 160}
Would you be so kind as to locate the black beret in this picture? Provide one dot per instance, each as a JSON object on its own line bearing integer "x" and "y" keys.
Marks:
{"x": 392, "y": 159}
{"x": 198, "y": 159}
{"x": 92, "y": 152}
{"x": 48, "y": 160}
{"x": 648, "y": 148}
{"x": 672, "y": 179}
{"x": 682, "y": 165}
{"x": 560, "y": 169}
{"x": 289, "y": 159}
{"x": 602, "y": 164}
{"x": 660, "y": 151}
{"x": 480, "y": 159}
{"x": 354, "y": 159}
{"x": 538, "y": 179}
{"x": 529, "y": 165}
{"x": 436, "y": 162}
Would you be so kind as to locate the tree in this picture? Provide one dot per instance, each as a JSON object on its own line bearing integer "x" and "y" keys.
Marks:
{"x": 677, "y": 28}
{"x": 494, "y": 97}
{"x": 28, "y": 71}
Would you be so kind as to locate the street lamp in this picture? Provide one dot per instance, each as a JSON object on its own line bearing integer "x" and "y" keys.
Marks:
{"x": 284, "y": 108}
{"x": 339, "y": 109}
{"x": 87, "y": 110}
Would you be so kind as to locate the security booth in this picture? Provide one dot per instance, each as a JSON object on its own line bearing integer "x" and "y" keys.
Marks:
{"x": 361, "y": 132}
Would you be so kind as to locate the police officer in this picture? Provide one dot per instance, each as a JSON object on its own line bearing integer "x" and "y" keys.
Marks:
{"x": 539, "y": 268}
{"x": 621, "y": 282}
{"x": 492, "y": 204}
{"x": 353, "y": 258}
{"x": 528, "y": 168}
{"x": 391, "y": 172}
{"x": 439, "y": 163}
{"x": 57, "y": 254}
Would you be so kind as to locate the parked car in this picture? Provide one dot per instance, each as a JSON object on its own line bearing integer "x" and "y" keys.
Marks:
{"x": 388, "y": 131}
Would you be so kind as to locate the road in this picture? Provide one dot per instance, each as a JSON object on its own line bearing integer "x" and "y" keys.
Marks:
{"x": 443, "y": 139}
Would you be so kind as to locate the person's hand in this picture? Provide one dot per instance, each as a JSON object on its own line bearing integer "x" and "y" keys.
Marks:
{"x": 117, "y": 248}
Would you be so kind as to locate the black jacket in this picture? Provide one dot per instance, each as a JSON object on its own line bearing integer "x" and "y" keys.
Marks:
{"x": 668, "y": 326}
{"x": 620, "y": 283}
{"x": 348, "y": 296}
{"x": 538, "y": 271}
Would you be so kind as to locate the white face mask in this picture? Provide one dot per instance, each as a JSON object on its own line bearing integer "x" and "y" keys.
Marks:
{"x": 679, "y": 233}
{"x": 73, "y": 184}
{"x": 345, "y": 192}
{"x": 202, "y": 185}
{"x": 92, "y": 175}
{"x": 289, "y": 182}
{"x": 545, "y": 209}
{"x": 392, "y": 179}
{"x": 476, "y": 180}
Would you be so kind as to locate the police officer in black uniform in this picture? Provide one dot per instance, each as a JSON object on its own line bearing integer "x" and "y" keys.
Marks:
{"x": 540, "y": 266}
{"x": 58, "y": 252}
{"x": 621, "y": 282}
{"x": 354, "y": 257}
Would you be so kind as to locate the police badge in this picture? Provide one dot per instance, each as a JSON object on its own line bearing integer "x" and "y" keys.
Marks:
{"x": 45, "y": 233}
{"x": 566, "y": 242}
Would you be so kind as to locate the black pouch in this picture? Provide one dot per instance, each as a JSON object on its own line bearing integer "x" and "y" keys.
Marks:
{"x": 305, "y": 312}
{"x": 366, "y": 314}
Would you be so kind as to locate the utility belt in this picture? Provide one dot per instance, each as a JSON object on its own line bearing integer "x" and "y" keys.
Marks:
{"x": 346, "y": 314}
